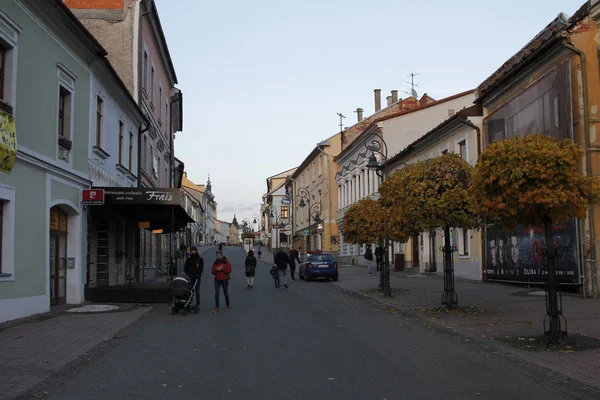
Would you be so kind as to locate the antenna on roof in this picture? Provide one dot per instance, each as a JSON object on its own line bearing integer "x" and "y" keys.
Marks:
{"x": 341, "y": 123}
{"x": 412, "y": 92}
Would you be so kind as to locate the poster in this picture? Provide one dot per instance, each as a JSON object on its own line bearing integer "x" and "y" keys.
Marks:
{"x": 518, "y": 255}
{"x": 8, "y": 142}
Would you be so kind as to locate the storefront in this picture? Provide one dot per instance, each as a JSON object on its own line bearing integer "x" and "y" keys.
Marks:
{"x": 126, "y": 235}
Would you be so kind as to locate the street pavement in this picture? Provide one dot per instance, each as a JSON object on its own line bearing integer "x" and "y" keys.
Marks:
{"x": 311, "y": 341}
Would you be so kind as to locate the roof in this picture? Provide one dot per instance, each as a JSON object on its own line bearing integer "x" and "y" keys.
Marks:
{"x": 282, "y": 175}
{"x": 401, "y": 113}
{"x": 434, "y": 103}
{"x": 462, "y": 116}
{"x": 312, "y": 155}
{"x": 525, "y": 55}
{"x": 86, "y": 36}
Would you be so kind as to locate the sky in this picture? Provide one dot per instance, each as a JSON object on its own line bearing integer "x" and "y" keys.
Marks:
{"x": 263, "y": 80}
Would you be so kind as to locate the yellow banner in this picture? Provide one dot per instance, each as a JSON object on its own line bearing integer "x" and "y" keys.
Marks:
{"x": 8, "y": 142}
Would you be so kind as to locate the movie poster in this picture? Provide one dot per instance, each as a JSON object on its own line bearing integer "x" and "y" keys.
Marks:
{"x": 518, "y": 255}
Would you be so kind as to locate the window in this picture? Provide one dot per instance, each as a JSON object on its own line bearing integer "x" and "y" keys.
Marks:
{"x": 64, "y": 112}
{"x": 145, "y": 153}
{"x": 99, "y": 111}
{"x": 121, "y": 138}
{"x": 159, "y": 103}
{"x": 464, "y": 242}
{"x": 166, "y": 117}
{"x": 152, "y": 84}
{"x": 7, "y": 231}
{"x": 284, "y": 212}
{"x": 3, "y": 52}
{"x": 462, "y": 149}
{"x": 130, "y": 151}
{"x": 145, "y": 71}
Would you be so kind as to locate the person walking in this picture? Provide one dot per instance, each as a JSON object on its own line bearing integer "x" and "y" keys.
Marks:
{"x": 193, "y": 268}
{"x": 281, "y": 260}
{"x": 369, "y": 258}
{"x": 250, "y": 265}
{"x": 379, "y": 257}
{"x": 293, "y": 257}
{"x": 221, "y": 269}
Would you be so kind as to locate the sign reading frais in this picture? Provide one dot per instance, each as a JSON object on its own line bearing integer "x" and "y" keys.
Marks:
{"x": 141, "y": 196}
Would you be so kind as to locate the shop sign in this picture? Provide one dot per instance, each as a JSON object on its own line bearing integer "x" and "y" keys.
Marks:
{"x": 143, "y": 196}
{"x": 92, "y": 197}
{"x": 8, "y": 142}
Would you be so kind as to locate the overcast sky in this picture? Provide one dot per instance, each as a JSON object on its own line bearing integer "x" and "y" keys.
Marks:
{"x": 264, "y": 79}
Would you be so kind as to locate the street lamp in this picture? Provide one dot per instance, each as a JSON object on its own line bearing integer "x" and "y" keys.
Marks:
{"x": 314, "y": 211}
{"x": 271, "y": 211}
{"x": 374, "y": 143}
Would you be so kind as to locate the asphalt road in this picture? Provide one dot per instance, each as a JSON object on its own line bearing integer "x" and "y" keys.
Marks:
{"x": 308, "y": 342}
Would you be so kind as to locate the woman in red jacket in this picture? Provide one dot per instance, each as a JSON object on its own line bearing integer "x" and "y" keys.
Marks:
{"x": 221, "y": 269}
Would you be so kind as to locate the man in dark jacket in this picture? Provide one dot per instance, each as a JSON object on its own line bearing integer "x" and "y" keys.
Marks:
{"x": 281, "y": 259}
{"x": 293, "y": 257}
{"x": 194, "y": 266}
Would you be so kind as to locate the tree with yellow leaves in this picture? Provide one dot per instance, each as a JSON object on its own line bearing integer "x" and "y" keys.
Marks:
{"x": 364, "y": 222}
{"x": 433, "y": 194}
{"x": 534, "y": 180}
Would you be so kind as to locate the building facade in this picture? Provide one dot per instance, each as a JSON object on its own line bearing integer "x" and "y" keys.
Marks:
{"x": 315, "y": 198}
{"x": 549, "y": 86}
{"x": 398, "y": 130}
{"x": 458, "y": 134}
{"x": 132, "y": 33}
{"x": 47, "y": 69}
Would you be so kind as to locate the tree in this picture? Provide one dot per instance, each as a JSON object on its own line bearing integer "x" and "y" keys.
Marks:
{"x": 364, "y": 222}
{"x": 535, "y": 181}
{"x": 434, "y": 194}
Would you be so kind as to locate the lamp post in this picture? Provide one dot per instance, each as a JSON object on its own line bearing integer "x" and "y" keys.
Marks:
{"x": 271, "y": 211}
{"x": 374, "y": 143}
{"x": 257, "y": 223}
{"x": 314, "y": 210}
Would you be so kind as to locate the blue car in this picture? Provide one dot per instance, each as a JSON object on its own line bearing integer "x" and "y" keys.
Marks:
{"x": 319, "y": 265}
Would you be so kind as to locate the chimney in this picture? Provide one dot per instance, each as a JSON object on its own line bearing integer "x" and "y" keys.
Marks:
{"x": 394, "y": 96}
{"x": 377, "y": 100}
{"x": 389, "y": 100}
{"x": 359, "y": 114}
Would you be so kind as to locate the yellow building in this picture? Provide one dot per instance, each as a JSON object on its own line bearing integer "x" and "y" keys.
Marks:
{"x": 550, "y": 86}
{"x": 313, "y": 192}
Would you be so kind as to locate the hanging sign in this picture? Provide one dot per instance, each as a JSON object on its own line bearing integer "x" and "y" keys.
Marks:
{"x": 8, "y": 142}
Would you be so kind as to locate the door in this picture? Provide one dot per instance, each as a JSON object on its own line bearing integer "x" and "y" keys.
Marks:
{"x": 415, "y": 251}
{"x": 58, "y": 257}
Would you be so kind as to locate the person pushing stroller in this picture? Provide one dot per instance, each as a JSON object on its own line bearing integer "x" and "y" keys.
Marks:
{"x": 194, "y": 266}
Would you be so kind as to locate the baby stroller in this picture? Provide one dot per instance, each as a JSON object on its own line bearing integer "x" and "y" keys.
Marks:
{"x": 183, "y": 295}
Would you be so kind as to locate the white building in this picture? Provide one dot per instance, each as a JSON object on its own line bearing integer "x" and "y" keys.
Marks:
{"x": 398, "y": 130}
{"x": 458, "y": 134}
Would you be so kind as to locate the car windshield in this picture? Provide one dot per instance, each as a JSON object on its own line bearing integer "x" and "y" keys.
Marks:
{"x": 320, "y": 257}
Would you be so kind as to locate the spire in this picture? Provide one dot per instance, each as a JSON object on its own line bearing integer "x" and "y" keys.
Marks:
{"x": 235, "y": 223}
{"x": 208, "y": 185}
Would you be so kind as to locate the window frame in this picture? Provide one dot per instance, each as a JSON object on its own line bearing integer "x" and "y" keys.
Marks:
{"x": 9, "y": 40}
{"x": 131, "y": 139}
{"x": 7, "y": 233}
{"x": 464, "y": 243}
{"x": 99, "y": 120}
{"x": 121, "y": 140}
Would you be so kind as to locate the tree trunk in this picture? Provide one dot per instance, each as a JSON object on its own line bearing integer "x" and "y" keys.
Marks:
{"x": 449, "y": 297}
{"x": 432, "y": 250}
{"x": 554, "y": 333}
{"x": 385, "y": 268}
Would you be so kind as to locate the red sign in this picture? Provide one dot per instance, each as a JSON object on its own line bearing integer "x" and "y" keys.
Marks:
{"x": 92, "y": 197}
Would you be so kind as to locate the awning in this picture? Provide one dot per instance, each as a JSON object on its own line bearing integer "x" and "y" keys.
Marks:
{"x": 155, "y": 209}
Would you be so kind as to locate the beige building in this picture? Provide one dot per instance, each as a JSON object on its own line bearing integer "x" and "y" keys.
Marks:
{"x": 314, "y": 195}
{"x": 275, "y": 228}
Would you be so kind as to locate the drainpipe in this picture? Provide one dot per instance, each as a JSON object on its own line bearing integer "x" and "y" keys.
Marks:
{"x": 139, "y": 164}
{"x": 478, "y": 130}
{"x": 588, "y": 166}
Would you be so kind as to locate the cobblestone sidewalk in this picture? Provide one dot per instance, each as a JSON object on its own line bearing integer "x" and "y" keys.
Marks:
{"x": 34, "y": 350}
{"x": 490, "y": 314}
